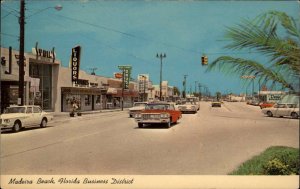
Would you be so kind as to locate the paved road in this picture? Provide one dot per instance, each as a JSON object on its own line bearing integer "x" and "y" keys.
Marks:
{"x": 213, "y": 141}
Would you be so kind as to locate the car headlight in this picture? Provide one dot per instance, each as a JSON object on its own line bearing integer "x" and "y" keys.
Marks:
{"x": 164, "y": 115}
{"x": 138, "y": 115}
{"x": 6, "y": 121}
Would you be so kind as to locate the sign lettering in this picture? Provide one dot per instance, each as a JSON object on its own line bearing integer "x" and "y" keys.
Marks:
{"x": 75, "y": 63}
{"x": 126, "y": 71}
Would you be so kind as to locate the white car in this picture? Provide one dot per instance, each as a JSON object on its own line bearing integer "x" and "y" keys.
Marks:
{"x": 188, "y": 106}
{"x": 18, "y": 117}
{"x": 282, "y": 110}
{"x": 137, "y": 108}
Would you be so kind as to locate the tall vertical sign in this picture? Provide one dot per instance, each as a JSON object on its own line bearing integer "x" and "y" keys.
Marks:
{"x": 126, "y": 70}
{"x": 75, "y": 63}
{"x": 126, "y": 74}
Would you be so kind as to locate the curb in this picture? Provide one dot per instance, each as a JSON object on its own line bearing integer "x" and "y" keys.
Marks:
{"x": 66, "y": 114}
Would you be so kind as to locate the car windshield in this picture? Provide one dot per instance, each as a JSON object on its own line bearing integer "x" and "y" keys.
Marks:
{"x": 157, "y": 107}
{"x": 189, "y": 102}
{"x": 14, "y": 110}
{"x": 139, "y": 104}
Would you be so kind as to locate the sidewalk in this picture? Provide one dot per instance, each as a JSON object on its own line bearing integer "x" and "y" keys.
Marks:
{"x": 61, "y": 116}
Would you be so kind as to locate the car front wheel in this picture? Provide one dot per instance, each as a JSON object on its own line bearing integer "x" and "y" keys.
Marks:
{"x": 269, "y": 113}
{"x": 17, "y": 126}
{"x": 140, "y": 125}
{"x": 44, "y": 123}
{"x": 294, "y": 115}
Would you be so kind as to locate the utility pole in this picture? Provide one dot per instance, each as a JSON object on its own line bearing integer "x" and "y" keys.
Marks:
{"x": 199, "y": 86}
{"x": 123, "y": 85}
{"x": 249, "y": 77}
{"x": 21, "y": 53}
{"x": 196, "y": 86}
{"x": 160, "y": 56}
{"x": 184, "y": 86}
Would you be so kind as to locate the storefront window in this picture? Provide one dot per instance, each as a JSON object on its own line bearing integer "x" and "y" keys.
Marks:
{"x": 87, "y": 100}
{"x": 71, "y": 99}
{"x": 44, "y": 73}
{"x": 98, "y": 100}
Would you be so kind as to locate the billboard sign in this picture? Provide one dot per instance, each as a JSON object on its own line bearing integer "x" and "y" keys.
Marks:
{"x": 118, "y": 75}
{"x": 75, "y": 63}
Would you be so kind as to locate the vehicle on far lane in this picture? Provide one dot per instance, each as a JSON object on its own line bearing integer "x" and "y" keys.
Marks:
{"x": 18, "y": 117}
{"x": 190, "y": 105}
{"x": 160, "y": 113}
{"x": 137, "y": 108}
{"x": 266, "y": 105}
{"x": 216, "y": 103}
{"x": 282, "y": 110}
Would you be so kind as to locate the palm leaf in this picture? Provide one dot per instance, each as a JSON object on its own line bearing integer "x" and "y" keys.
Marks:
{"x": 242, "y": 67}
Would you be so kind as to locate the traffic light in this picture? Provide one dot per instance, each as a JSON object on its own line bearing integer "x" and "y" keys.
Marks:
{"x": 204, "y": 60}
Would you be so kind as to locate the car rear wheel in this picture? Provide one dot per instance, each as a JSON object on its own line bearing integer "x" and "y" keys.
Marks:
{"x": 17, "y": 126}
{"x": 44, "y": 123}
{"x": 140, "y": 125}
{"x": 269, "y": 113}
{"x": 294, "y": 115}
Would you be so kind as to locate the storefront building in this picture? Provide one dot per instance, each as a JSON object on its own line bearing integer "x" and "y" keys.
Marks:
{"x": 50, "y": 85}
{"x": 89, "y": 93}
{"x": 115, "y": 94}
{"x": 40, "y": 68}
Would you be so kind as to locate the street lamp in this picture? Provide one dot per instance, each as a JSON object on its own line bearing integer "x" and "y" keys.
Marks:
{"x": 196, "y": 86}
{"x": 161, "y": 56}
{"x": 21, "y": 49}
{"x": 184, "y": 86}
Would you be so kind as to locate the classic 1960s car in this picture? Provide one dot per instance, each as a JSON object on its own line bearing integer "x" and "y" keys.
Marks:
{"x": 158, "y": 113}
{"x": 18, "y": 117}
{"x": 283, "y": 110}
{"x": 189, "y": 105}
{"x": 137, "y": 108}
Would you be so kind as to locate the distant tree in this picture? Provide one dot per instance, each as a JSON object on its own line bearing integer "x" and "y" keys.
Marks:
{"x": 273, "y": 34}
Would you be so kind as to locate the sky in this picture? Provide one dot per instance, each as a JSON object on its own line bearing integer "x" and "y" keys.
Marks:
{"x": 113, "y": 33}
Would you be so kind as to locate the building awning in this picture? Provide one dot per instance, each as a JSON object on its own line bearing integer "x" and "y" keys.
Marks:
{"x": 117, "y": 92}
{"x": 111, "y": 90}
{"x": 84, "y": 91}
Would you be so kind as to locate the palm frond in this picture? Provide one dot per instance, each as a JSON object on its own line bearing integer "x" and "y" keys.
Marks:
{"x": 241, "y": 67}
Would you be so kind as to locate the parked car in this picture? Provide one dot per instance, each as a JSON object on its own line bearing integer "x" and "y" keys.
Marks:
{"x": 18, "y": 117}
{"x": 190, "y": 105}
{"x": 163, "y": 113}
{"x": 282, "y": 110}
{"x": 216, "y": 103}
{"x": 255, "y": 102}
{"x": 137, "y": 108}
{"x": 266, "y": 105}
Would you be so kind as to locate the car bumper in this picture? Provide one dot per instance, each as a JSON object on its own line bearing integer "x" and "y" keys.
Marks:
{"x": 188, "y": 110}
{"x": 5, "y": 126}
{"x": 132, "y": 114}
{"x": 149, "y": 121}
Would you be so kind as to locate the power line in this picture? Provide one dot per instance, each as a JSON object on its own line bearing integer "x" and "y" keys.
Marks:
{"x": 147, "y": 39}
{"x": 10, "y": 35}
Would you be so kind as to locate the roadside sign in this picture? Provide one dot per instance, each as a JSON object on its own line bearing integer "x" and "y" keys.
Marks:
{"x": 126, "y": 71}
